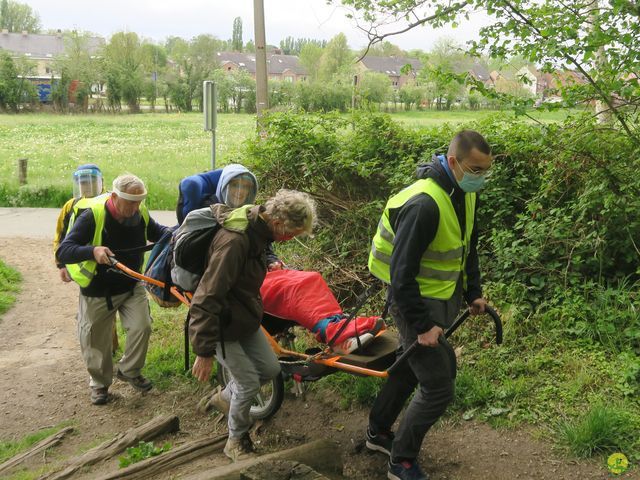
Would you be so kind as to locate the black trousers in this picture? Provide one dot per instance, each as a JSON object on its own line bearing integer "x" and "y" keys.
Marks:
{"x": 433, "y": 371}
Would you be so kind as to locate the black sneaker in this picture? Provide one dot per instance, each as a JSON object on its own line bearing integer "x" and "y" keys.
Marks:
{"x": 380, "y": 442}
{"x": 405, "y": 470}
{"x": 139, "y": 383}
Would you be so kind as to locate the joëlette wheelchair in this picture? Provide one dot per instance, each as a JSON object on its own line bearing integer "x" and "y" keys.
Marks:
{"x": 380, "y": 358}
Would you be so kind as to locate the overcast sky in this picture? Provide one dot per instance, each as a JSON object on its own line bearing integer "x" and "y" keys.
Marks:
{"x": 159, "y": 19}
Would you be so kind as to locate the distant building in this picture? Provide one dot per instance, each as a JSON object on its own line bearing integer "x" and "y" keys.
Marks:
{"x": 284, "y": 68}
{"x": 394, "y": 67}
{"x": 41, "y": 50}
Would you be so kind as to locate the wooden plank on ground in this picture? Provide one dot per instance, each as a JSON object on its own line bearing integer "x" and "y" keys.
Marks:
{"x": 153, "y": 466}
{"x": 41, "y": 446}
{"x": 146, "y": 432}
{"x": 323, "y": 456}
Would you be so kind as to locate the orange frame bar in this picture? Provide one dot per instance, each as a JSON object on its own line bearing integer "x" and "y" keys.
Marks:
{"x": 332, "y": 361}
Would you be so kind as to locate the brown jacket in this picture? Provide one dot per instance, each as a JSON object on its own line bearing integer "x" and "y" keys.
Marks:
{"x": 227, "y": 305}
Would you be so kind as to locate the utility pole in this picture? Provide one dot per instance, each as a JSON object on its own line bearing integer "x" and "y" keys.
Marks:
{"x": 262, "y": 98}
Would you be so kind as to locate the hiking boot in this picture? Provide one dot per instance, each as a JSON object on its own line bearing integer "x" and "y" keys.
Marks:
{"x": 99, "y": 395}
{"x": 405, "y": 470}
{"x": 379, "y": 442}
{"x": 139, "y": 383}
{"x": 238, "y": 449}
{"x": 215, "y": 401}
{"x": 351, "y": 344}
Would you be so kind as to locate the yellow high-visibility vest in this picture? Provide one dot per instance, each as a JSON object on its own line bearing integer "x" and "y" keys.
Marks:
{"x": 445, "y": 258}
{"x": 82, "y": 273}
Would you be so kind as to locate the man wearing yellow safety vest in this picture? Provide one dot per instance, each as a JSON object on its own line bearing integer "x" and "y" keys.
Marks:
{"x": 425, "y": 249}
{"x": 118, "y": 222}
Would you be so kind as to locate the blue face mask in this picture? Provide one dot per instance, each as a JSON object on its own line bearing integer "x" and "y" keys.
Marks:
{"x": 471, "y": 182}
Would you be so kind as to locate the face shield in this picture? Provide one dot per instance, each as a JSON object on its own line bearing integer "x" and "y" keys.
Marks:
{"x": 240, "y": 191}
{"x": 87, "y": 182}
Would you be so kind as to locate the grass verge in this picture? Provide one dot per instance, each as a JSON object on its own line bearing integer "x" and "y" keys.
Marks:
{"x": 9, "y": 286}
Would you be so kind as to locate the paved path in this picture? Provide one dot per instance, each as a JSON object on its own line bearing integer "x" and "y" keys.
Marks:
{"x": 41, "y": 222}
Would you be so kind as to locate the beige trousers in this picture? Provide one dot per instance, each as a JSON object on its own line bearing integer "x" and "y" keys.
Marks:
{"x": 95, "y": 324}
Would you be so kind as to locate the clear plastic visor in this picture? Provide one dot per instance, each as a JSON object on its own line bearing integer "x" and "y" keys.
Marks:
{"x": 86, "y": 185}
{"x": 239, "y": 191}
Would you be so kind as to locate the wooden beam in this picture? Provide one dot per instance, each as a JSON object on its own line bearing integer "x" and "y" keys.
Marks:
{"x": 323, "y": 456}
{"x": 146, "y": 432}
{"x": 41, "y": 446}
{"x": 153, "y": 466}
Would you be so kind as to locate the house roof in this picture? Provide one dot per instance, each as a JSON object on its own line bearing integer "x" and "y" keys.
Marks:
{"x": 40, "y": 46}
{"x": 276, "y": 64}
{"x": 480, "y": 72}
{"x": 390, "y": 65}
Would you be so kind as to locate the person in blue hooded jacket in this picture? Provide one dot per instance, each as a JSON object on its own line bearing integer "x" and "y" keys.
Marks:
{"x": 233, "y": 185}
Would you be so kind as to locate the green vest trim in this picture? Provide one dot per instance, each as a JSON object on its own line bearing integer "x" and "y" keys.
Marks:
{"x": 82, "y": 273}
{"x": 445, "y": 258}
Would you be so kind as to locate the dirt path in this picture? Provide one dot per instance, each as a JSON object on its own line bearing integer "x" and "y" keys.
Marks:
{"x": 43, "y": 382}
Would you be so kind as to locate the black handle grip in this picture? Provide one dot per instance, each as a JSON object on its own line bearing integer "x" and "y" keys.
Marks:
{"x": 458, "y": 321}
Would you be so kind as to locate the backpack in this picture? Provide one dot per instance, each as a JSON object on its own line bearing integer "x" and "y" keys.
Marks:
{"x": 191, "y": 243}
{"x": 159, "y": 268}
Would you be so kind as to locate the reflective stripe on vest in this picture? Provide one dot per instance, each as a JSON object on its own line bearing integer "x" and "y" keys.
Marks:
{"x": 82, "y": 273}
{"x": 445, "y": 257}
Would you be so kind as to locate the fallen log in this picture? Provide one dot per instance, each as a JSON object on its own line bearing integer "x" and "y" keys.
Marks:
{"x": 165, "y": 461}
{"x": 280, "y": 470}
{"x": 41, "y": 446}
{"x": 323, "y": 456}
{"x": 146, "y": 432}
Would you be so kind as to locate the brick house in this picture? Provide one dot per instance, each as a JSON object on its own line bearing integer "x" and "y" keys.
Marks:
{"x": 284, "y": 68}
{"x": 392, "y": 67}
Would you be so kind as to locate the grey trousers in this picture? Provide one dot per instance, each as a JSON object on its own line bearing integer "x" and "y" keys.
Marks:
{"x": 252, "y": 363}
{"x": 433, "y": 371}
{"x": 95, "y": 324}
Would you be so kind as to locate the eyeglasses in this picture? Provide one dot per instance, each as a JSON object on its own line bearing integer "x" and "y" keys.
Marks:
{"x": 476, "y": 171}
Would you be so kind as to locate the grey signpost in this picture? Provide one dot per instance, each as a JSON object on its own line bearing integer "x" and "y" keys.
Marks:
{"x": 210, "y": 108}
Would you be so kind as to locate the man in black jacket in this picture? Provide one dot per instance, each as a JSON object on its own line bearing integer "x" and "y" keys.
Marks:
{"x": 425, "y": 249}
{"x": 118, "y": 224}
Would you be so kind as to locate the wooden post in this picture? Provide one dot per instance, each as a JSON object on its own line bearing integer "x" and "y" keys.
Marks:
{"x": 22, "y": 171}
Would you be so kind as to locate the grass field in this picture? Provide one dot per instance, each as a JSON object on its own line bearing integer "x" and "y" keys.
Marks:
{"x": 159, "y": 148}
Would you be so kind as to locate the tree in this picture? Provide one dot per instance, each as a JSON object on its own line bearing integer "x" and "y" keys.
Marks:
{"x": 124, "y": 70}
{"x": 287, "y": 46}
{"x": 597, "y": 39}
{"x": 336, "y": 58}
{"x": 18, "y": 17}
{"x": 77, "y": 62}
{"x": 310, "y": 56}
{"x": 250, "y": 47}
{"x": 154, "y": 58}
{"x": 384, "y": 49}
{"x": 236, "y": 39}
{"x": 374, "y": 88}
{"x": 14, "y": 88}
{"x": 196, "y": 61}
{"x": 445, "y": 61}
